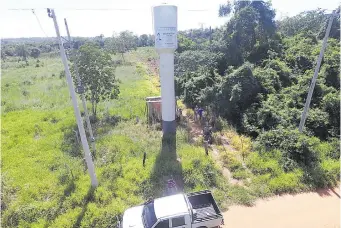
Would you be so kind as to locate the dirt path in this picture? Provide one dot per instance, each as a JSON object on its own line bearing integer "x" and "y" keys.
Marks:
{"x": 319, "y": 209}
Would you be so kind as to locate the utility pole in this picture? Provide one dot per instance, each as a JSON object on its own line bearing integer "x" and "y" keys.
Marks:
{"x": 313, "y": 81}
{"x": 88, "y": 159}
{"x": 81, "y": 89}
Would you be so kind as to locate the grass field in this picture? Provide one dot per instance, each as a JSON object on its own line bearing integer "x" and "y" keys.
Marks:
{"x": 44, "y": 181}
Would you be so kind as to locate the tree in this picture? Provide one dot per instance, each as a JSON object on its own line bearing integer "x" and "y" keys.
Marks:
{"x": 100, "y": 40}
{"x": 35, "y": 52}
{"x": 97, "y": 75}
{"x": 122, "y": 43}
{"x": 237, "y": 92}
{"x": 184, "y": 44}
{"x": 250, "y": 33}
{"x": 143, "y": 40}
{"x": 21, "y": 51}
{"x": 313, "y": 21}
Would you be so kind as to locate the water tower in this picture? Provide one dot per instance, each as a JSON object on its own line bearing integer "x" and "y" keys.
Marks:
{"x": 166, "y": 42}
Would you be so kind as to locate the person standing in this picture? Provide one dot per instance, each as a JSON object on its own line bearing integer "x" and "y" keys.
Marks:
{"x": 196, "y": 113}
{"x": 200, "y": 112}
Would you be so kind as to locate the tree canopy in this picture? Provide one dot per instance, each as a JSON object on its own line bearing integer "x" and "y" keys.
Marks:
{"x": 97, "y": 74}
{"x": 255, "y": 72}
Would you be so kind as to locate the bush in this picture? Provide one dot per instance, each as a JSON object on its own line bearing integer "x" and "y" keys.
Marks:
{"x": 231, "y": 161}
{"x": 199, "y": 142}
{"x": 292, "y": 143}
{"x": 220, "y": 124}
{"x": 180, "y": 104}
{"x": 242, "y": 144}
{"x": 286, "y": 182}
{"x": 241, "y": 174}
{"x": 331, "y": 169}
{"x": 260, "y": 165}
{"x": 260, "y": 185}
{"x": 198, "y": 172}
{"x": 241, "y": 196}
{"x": 329, "y": 149}
{"x": 190, "y": 113}
{"x": 62, "y": 74}
{"x": 217, "y": 138}
{"x": 237, "y": 92}
{"x": 324, "y": 174}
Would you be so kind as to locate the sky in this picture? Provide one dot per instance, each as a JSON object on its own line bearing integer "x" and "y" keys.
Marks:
{"x": 120, "y": 15}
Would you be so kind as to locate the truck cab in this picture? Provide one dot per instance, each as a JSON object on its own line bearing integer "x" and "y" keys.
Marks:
{"x": 176, "y": 211}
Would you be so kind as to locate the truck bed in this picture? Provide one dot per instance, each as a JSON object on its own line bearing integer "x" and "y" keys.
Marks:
{"x": 204, "y": 206}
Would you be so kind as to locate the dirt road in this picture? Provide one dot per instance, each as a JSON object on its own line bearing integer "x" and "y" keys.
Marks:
{"x": 319, "y": 209}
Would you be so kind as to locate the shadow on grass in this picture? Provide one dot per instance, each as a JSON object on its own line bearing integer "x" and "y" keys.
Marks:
{"x": 88, "y": 197}
{"x": 167, "y": 166}
{"x": 71, "y": 144}
{"x": 70, "y": 188}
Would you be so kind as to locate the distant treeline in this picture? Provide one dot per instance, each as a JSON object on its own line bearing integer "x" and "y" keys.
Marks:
{"x": 34, "y": 46}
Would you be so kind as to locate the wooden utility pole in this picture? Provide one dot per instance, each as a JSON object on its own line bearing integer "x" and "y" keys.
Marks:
{"x": 313, "y": 81}
{"x": 88, "y": 159}
{"x": 81, "y": 90}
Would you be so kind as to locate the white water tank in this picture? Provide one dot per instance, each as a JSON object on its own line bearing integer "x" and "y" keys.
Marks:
{"x": 165, "y": 31}
{"x": 165, "y": 27}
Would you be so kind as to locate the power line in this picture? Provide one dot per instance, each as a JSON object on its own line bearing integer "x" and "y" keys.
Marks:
{"x": 102, "y": 9}
{"x": 41, "y": 27}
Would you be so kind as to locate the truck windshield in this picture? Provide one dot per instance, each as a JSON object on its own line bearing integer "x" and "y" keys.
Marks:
{"x": 148, "y": 215}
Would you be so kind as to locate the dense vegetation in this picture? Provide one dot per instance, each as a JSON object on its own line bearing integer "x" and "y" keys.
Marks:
{"x": 255, "y": 73}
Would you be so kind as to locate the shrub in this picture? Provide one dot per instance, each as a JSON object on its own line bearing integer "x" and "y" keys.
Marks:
{"x": 331, "y": 169}
{"x": 240, "y": 195}
{"x": 329, "y": 149}
{"x": 231, "y": 161}
{"x": 198, "y": 173}
{"x": 295, "y": 145}
{"x": 217, "y": 138}
{"x": 286, "y": 182}
{"x": 260, "y": 185}
{"x": 241, "y": 174}
{"x": 237, "y": 92}
{"x": 190, "y": 113}
{"x": 199, "y": 142}
{"x": 180, "y": 104}
{"x": 25, "y": 93}
{"x": 26, "y": 82}
{"x": 220, "y": 124}
{"x": 242, "y": 144}
{"x": 62, "y": 74}
{"x": 260, "y": 165}
{"x": 230, "y": 133}
{"x": 324, "y": 174}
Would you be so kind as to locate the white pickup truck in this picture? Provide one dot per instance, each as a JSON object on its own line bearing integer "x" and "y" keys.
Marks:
{"x": 192, "y": 210}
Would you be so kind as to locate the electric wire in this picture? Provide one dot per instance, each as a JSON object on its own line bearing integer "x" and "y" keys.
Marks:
{"x": 41, "y": 27}
{"x": 102, "y": 9}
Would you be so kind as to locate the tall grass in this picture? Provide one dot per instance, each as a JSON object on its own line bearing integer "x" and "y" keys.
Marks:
{"x": 45, "y": 182}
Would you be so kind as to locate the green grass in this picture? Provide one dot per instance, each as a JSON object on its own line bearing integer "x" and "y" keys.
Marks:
{"x": 44, "y": 179}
